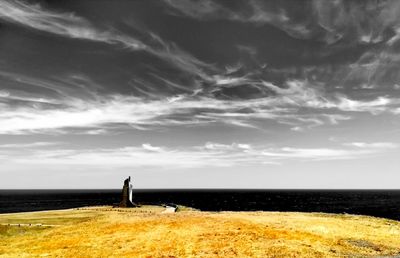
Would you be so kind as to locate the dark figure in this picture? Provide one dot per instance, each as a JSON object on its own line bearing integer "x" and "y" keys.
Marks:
{"x": 127, "y": 194}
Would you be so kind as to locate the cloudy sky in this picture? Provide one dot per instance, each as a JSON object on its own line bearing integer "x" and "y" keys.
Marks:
{"x": 199, "y": 94}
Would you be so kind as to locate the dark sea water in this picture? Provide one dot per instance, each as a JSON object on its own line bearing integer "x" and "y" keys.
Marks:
{"x": 379, "y": 203}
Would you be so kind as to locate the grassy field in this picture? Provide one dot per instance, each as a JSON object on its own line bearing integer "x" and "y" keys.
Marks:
{"x": 147, "y": 232}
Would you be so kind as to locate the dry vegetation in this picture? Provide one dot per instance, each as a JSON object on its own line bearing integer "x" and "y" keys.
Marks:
{"x": 147, "y": 232}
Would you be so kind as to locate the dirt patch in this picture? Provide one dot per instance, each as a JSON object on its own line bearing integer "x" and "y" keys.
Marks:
{"x": 363, "y": 243}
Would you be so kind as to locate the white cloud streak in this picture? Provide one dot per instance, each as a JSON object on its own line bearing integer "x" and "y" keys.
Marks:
{"x": 295, "y": 105}
{"x": 64, "y": 24}
{"x": 28, "y": 145}
{"x": 149, "y": 147}
{"x": 373, "y": 145}
{"x": 208, "y": 155}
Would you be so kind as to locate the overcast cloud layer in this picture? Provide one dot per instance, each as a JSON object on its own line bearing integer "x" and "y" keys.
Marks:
{"x": 179, "y": 92}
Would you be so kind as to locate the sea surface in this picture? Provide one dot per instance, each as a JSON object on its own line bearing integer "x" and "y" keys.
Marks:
{"x": 379, "y": 203}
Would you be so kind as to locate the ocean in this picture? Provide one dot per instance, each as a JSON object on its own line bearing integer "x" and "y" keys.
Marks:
{"x": 378, "y": 203}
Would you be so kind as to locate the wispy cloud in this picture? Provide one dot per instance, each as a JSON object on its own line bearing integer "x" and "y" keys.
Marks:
{"x": 361, "y": 22}
{"x": 324, "y": 153}
{"x": 372, "y": 145}
{"x": 28, "y": 145}
{"x": 295, "y": 105}
{"x": 372, "y": 23}
{"x": 149, "y": 147}
{"x": 211, "y": 154}
{"x": 64, "y": 24}
{"x": 55, "y": 90}
{"x": 73, "y": 26}
{"x": 256, "y": 12}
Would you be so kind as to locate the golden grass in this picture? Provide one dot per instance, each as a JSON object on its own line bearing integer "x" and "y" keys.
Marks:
{"x": 146, "y": 232}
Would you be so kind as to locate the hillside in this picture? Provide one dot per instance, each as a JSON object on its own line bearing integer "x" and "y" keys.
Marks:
{"x": 148, "y": 232}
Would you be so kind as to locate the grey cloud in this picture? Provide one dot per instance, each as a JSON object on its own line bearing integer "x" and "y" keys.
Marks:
{"x": 360, "y": 21}
{"x": 210, "y": 154}
{"x": 372, "y": 145}
{"x": 64, "y": 24}
{"x": 375, "y": 69}
{"x": 29, "y": 145}
{"x": 200, "y": 9}
{"x": 52, "y": 90}
{"x": 251, "y": 11}
{"x": 329, "y": 21}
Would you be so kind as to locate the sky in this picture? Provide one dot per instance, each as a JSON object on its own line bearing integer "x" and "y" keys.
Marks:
{"x": 200, "y": 94}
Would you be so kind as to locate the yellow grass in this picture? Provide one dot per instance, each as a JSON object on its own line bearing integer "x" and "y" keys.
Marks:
{"x": 147, "y": 232}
